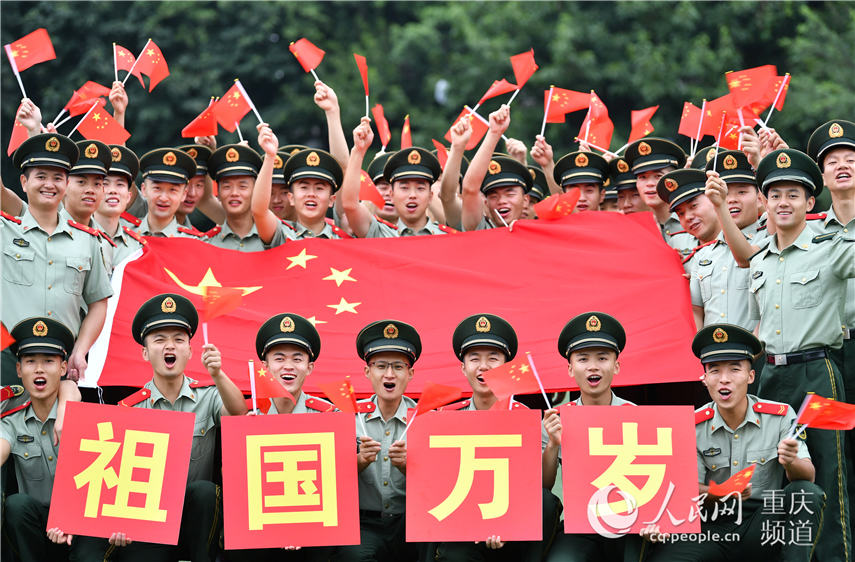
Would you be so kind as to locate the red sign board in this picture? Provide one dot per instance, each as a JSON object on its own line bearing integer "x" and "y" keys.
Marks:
{"x": 122, "y": 470}
{"x": 471, "y": 475}
{"x": 290, "y": 480}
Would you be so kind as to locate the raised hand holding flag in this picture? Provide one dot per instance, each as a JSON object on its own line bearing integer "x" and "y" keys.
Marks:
{"x": 363, "y": 71}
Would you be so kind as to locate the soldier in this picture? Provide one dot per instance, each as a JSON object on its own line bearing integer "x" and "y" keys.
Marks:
{"x": 124, "y": 167}
{"x": 375, "y": 172}
{"x": 279, "y": 203}
{"x": 482, "y": 342}
{"x": 85, "y": 191}
{"x": 235, "y": 168}
{"x": 586, "y": 171}
{"x": 538, "y": 192}
{"x": 52, "y": 265}
{"x": 42, "y": 347}
{"x": 737, "y": 430}
{"x": 165, "y": 173}
{"x": 591, "y": 342}
{"x": 163, "y": 326}
{"x": 610, "y": 200}
{"x": 389, "y": 348}
{"x": 452, "y": 174}
{"x": 411, "y": 172}
{"x": 200, "y": 206}
{"x": 623, "y": 181}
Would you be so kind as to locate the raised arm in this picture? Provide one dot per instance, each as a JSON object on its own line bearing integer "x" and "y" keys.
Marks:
{"x": 326, "y": 99}
{"x": 265, "y": 221}
{"x": 119, "y": 101}
{"x": 233, "y": 402}
{"x": 358, "y": 216}
{"x": 473, "y": 202}
{"x": 541, "y": 153}
{"x": 461, "y": 132}
{"x": 740, "y": 247}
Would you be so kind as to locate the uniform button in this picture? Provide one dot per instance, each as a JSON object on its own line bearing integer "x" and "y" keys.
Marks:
{"x": 778, "y": 281}
{"x": 50, "y": 458}
{"x": 26, "y": 454}
{"x": 49, "y": 313}
{"x": 193, "y": 396}
{"x": 804, "y": 279}
{"x": 17, "y": 255}
{"x": 845, "y": 230}
{"x": 49, "y": 287}
{"x": 79, "y": 268}
{"x": 386, "y": 505}
{"x": 50, "y": 262}
{"x": 44, "y": 432}
{"x": 202, "y": 432}
{"x": 763, "y": 460}
{"x": 777, "y": 306}
{"x": 778, "y": 331}
{"x": 49, "y": 238}
{"x": 722, "y": 314}
{"x": 735, "y": 463}
{"x": 385, "y": 458}
{"x": 780, "y": 259}
{"x": 713, "y": 467}
{"x": 722, "y": 291}
{"x": 241, "y": 244}
{"x": 736, "y": 436}
{"x": 387, "y": 433}
{"x": 385, "y": 482}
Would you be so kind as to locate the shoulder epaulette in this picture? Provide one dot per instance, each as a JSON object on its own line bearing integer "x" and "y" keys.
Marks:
{"x": 676, "y": 233}
{"x": 387, "y": 223}
{"x": 365, "y": 407}
{"x": 104, "y": 236}
{"x": 134, "y": 235}
{"x": 13, "y": 410}
{"x": 761, "y": 227}
{"x": 287, "y": 224}
{"x": 87, "y": 229}
{"x": 446, "y": 229}
{"x": 9, "y": 217}
{"x": 703, "y": 415}
{"x": 214, "y": 231}
{"x": 815, "y": 216}
{"x": 11, "y": 391}
{"x": 199, "y": 384}
{"x": 135, "y": 398}
{"x": 136, "y": 221}
{"x": 190, "y": 231}
{"x": 338, "y": 231}
{"x": 455, "y": 406}
{"x": 319, "y": 404}
{"x": 773, "y": 408}
{"x": 696, "y": 248}
{"x": 823, "y": 237}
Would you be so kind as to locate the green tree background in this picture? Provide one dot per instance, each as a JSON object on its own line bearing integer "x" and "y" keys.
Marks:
{"x": 634, "y": 54}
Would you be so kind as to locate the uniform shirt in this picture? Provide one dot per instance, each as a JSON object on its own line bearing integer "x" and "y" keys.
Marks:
{"x": 300, "y": 232}
{"x": 54, "y": 275}
{"x": 227, "y": 238}
{"x": 379, "y": 230}
{"x": 722, "y": 451}
{"x": 299, "y": 407}
{"x": 485, "y": 224}
{"x": 676, "y": 237}
{"x": 31, "y": 442}
{"x": 125, "y": 244}
{"x": 719, "y": 285}
{"x": 832, "y": 224}
{"x": 382, "y": 487}
{"x": 170, "y": 231}
{"x": 796, "y": 292}
{"x": 616, "y": 401}
{"x": 206, "y": 403}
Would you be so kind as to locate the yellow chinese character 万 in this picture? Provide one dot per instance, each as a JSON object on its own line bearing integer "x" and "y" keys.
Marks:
{"x": 623, "y": 466}
{"x": 299, "y": 484}
{"x": 98, "y": 474}
{"x": 500, "y": 468}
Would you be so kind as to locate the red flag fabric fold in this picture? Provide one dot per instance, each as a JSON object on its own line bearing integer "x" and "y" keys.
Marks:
{"x": 733, "y": 485}
{"x": 824, "y": 413}
{"x": 514, "y": 377}
{"x": 437, "y": 395}
{"x": 31, "y": 49}
{"x": 268, "y": 386}
{"x": 406, "y": 134}
{"x": 641, "y": 125}
{"x": 363, "y": 70}
{"x": 558, "y": 206}
{"x": 498, "y": 88}
{"x": 6, "y": 338}
{"x": 231, "y": 108}
{"x": 125, "y": 61}
{"x": 341, "y": 394}
{"x": 563, "y": 102}
{"x": 203, "y": 125}
{"x": 441, "y": 152}
{"x": 100, "y": 125}
{"x": 368, "y": 191}
{"x": 219, "y": 301}
{"x": 750, "y": 85}
{"x": 307, "y": 54}
{"x": 19, "y": 135}
{"x": 524, "y": 66}
{"x": 601, "y": 127}
{"x": 152, "y": 64}
{"x": 689, "y": 121}
{"x": 381, "y": 124}
{"x": 478, "y": 125}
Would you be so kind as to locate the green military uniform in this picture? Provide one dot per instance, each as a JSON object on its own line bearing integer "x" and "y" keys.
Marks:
{"x": 170, "y": 165}
{"x": 32, "y": 450}
{"x": 797, "y": 293}
{"x": 677, "y": 187}
{"x": 124, "y": 163}
{"x": 723, "y": 451}
{"x": 317, "y": 164}
{"x": 96, "y": 158}
{"x": 504, "y": 171}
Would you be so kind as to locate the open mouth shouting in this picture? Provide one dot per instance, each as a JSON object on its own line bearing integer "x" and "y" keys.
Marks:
{"x": 40, "y": 383}
{"x": 170, "y": 359}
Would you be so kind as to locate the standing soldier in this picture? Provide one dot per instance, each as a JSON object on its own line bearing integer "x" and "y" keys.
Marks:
{"x": 165, "y": 173}
{"x": 124, "y": 167}
{"x": 588, "y": 172}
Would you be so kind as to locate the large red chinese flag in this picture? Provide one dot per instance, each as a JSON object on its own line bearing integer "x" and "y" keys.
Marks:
{"x": 308, "y": 55}
{"x": 381, "y": 124}
{"x": 689, "y": 121}
{"x": 341, "y": 394}
{"x": 733, "y": 485}
{"x": 514, "y": 377}
{"x": 750, "y": 85}
{"x": 368, "y": 191}
{"x": 524, "y": 66}
{"x": 824, "y": 413}
{"x": 204, "y": 125}
{"x": 266, "y": 386}
{"x": 152, "y": 64}
{"x": 477, "y": 123}
{"x": 363, "y": 70}
{"x": 19, "y": 135}
{"x": 290, "y": 480}
{"x": 558, "y": 206}
{"x": 231, "y": 108}
{"x": 563, "y": 102}
{"x": 406, "y": 134}
{"x": 6, "y": 338}
{"x": 436, "y": 395}
{"x": 641, "y": 125}
{"x": 100, "y": 125}
{"x": 122, "y": 468}
{"x": 498, "y": 88}
{"x": 343, "y": 285}
{"x": 125, "y": 61}
{"x": 31, "y": 49}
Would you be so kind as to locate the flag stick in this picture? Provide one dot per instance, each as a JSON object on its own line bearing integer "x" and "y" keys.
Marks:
{"x": 761, "y": 123}
{"x": 133, "y": 66}
{"x": 15, "y": 69}
{"x": 409, "y": 423}
{"x": 58, "y": 115}
{"x": 205, "y": 332}
{"x": 718, "y": 141}
{"x": 478, "y": 115}
{"x": 546, "y": 111}
{"x": 315, "y": 75}
{"x": 252, "y": 384}
{"x": 115, "y": 64}
{"x": 694, "y": 145}
{"x": 741, "y": 124}
{"x": 63, "y": 121}
{"x": 600, "y": 148}
{"x": 510, "y": 101}
{"x": 616, "y": 152}
{"x": 774, "y": 103}
{"x": 367, "y": 110}
{"x": 237, "y": 128}
{"x": 249, "y": 101}
{"x": 588, "y": 117}
{"x": 501, "y": 219}
{"x": 84, "y": 118}
{"x": 511, "y": 402}
{"x": 537, "y": 377}
{"x": 364, "y": 430}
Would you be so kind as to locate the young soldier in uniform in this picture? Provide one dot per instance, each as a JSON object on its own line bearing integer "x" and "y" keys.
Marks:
{"x": 586, "y": 171}
{"x": 375, "y": 171}
{"x": 200, "y": 205}
{"x": 163, "y": 326}
{"x": 42, "y": 347}
{"x": 124, "y": 167}
{"x": 737, "y": 430}
{"x": 279, "y": 203}
{"x": 165, "y": 173}
{"x": 623, "y": 181}
{"x": 591, "y": 342}
{"x": 482, "y": 342}
{"x": 235, "y": 168}
{"x": 52, "y": 266}
{"x": 389, "y": 348}
{"x": 410, "y": 171}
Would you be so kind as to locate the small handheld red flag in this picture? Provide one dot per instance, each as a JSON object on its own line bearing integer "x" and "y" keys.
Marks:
{"x": 689, "y": 120}
{"x": 341, "y": 394}
{"x": 19, "y": 135}
{"x": 368, "y": 191}
{"x": 557, "y": 206}
{"x": 381, "y": 124}
{"x": 514, "y": 377}
{"x": 6, "y": 338}
{"x": 524, "y": 66}
{"x": 597, "y": 128}
{"x": 777, "y": 92}
{"x": 750, "y": 85}
{"x": 204, "y": 125}
{"x": 267, "y": 386}
{"x": 308, "y": 55}
{"x": 478, "y": 125}
{"x": 498, "y": 88}
{"x": 563, "y": 102}
{"x": 733, "y": 485}
{"x": 435, "y": 395}
{"x": 441, "y": 153}
{"x": 152, "y": 64}
{"x": 100, "y": 125}
{"x": 406, "y": 134}
{"x": 363, "y": 70}
{"x": 218, "y": 301}
{"x": 641, "y": 125}
{"x": 824, "y": 413}
{"x": 125, "y": 60}
{"x": 231, "y": 108}
{"x": 30, "y": 50}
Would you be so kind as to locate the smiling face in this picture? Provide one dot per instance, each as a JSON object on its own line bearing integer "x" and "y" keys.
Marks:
{"x": 646, "y": 182}
{"x": 195, "y": 190}
{"x": 117, "y": 195}
{"x": 411, "y": 197}
{"x": 838, "y": 170}
{"x": 697, "y": 217}
{"x": 311, "y": 197}
{"x": 630, "y": 201}
{"x": 727, "y": 382}
{"x": 163, "y": 198}
{"x": 593, "y": 369}
{"x": 507, "y": 203}
{"x": 40, "y": 374}
{"x": 389, "y": 373}
{"x": 84, "y": 195}
{"x": 477, "y": 361}
{"x": 787, "y": 203}
{"x": 591, "y": 195}
{"x": 279, "y": 203}
{"x": 235, "y": 194}
{"x": 290, "y": 364}
{"x": 168, "y": 350}
{"x": 45, "y": 186}
{"x": 743, "y": 203}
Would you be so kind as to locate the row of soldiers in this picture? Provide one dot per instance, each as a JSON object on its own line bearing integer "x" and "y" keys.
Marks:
{"x": 783, "y": 272}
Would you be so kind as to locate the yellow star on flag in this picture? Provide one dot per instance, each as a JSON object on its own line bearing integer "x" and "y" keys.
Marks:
{"x": 524, "y": 369}
{"x": 262, "y": 372}
{"x": 344, "y": 306}
{"x": 300, "y": 259}
{"x": 339, "y": 276}
{"x": 150, "y": 52}
{"x": 96, "y": 116}
{"x": 208, "y": 280}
